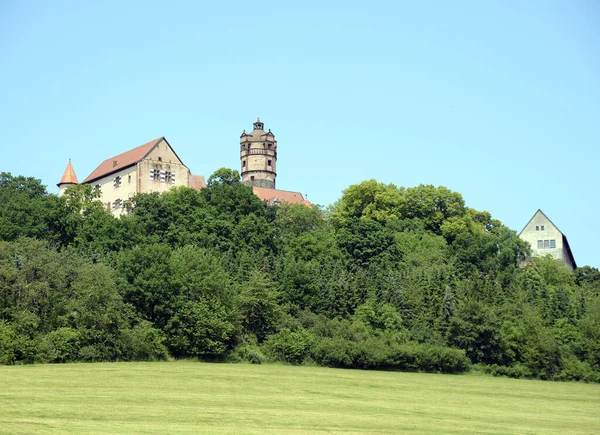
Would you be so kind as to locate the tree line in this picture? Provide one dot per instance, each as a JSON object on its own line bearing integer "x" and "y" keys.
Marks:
{"x": 386, "y": 278}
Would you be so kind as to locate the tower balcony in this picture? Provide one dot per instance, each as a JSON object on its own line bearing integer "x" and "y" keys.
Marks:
{"x": 259, "y": 152}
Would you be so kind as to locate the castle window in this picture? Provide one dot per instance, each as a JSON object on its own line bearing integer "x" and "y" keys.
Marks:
{"x": 97, "y": 187}
{"x": 537, "y": 227}
{"x": 553, "y": 243}
{"x": 117, "y": 204}
{"x": 540, "y": 244}
{"x": 243, "y": 163}
{"x": 269, "y": 162}
{"x": 546, "y": 243}
{"x": 270, "y": 145}
{"x": 117, "y": 182}
{"x": 252, "y": 178}
{"x": 129, "y": 179}
{"x": 159, "y": 158}
{"x": 542, "y": 228}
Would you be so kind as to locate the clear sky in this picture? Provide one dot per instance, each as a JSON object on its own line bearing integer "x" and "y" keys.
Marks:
{"x": 499, "y": 101}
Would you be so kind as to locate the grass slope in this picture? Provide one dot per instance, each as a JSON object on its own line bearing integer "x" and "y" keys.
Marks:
{"x": 190, "y": 397}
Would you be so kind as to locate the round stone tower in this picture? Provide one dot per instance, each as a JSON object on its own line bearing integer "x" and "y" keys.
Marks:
{"x": 258, "y": 156}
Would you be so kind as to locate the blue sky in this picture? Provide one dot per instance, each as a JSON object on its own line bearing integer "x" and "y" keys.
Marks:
{"x": 499, "y": 101}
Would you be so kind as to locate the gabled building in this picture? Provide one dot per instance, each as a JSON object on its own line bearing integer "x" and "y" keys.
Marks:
{"x": 151, "y": 167}
{"x": 156, "y": 167}
{"x": 546, "y": 239}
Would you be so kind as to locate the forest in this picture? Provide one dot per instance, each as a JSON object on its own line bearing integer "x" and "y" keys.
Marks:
{"x": 387, "y": 278}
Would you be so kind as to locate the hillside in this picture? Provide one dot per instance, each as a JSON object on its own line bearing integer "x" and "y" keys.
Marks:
{"x": 387, "y": 278}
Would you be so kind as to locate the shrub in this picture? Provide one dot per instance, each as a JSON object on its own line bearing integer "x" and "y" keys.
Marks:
{"x": 60, "y": 346}
{"x": 334, "y": 352}
{"x": 516, "y": 371}
{"x": 146, "y": 343}
{"x": 289, "y": 346}
{"x": 248, "y": 351}
{"x": 430, "y": 358}
{"x": 575, "y": 370}
{"x": 8, "y": 343}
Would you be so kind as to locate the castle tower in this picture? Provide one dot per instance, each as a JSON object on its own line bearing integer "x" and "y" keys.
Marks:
{"x": 258, "y": 157}
{"x": 67, "y": 179}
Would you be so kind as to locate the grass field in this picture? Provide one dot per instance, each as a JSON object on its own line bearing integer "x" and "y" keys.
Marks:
{"x": 191, "y": 397}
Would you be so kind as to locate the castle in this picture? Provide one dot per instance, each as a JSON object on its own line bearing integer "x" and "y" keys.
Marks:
{"x": 156, "y": 167}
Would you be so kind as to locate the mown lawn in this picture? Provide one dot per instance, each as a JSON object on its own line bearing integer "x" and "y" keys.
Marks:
{"x": 191, "y": 397}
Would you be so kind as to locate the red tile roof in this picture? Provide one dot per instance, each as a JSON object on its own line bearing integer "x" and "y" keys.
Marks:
{"x": 123, "y": 160}
{"x": 69, "y": 176}
{"x": 274, "y": 195}
{"x": 197, "y": 182}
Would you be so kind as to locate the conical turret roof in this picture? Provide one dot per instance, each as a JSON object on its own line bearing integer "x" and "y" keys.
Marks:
{"x": 69, "y": 176}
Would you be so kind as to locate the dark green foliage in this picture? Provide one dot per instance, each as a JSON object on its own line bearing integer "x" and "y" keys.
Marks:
{"x": 476, "y": 329}
{"x": 200, "y": 328}
{"x": 25, "y": 207}
{"x": 388, "y": 278}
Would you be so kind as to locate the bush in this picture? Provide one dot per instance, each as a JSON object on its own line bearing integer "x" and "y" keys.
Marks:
{"x": 8, "y": 343}
{"x": 289, "y": 346}
{"x": 575, "y": 370}
{"x": 431, "y": 358}
{"x": 334, "y": 352}
{"x": 60, "y": 346}
{"x": 145, "y": 343}
{"x": 373, "y": 353}
{"x": 516, "y": 371}
{"x": 248, "y": 351}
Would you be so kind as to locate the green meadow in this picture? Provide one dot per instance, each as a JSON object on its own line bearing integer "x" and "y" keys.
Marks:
{"x": 192, "y": 397}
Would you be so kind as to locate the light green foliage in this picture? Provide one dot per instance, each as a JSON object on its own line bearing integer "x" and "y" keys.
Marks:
{"x": 370, "y": 200}
{"x": 433, "y": 205}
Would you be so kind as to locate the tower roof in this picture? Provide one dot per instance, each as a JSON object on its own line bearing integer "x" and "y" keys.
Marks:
{"x": 259, "y": 125}
{"x": 69, "y": 176}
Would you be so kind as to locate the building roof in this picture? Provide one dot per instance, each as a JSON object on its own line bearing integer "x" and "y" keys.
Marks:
{"x": 273, "y": 196}
{"x": 564, "y": 238}
{"x": 123, "y": 160}
{"x": 197, "y": 182}
{"x": 539, "y": 211}
{"x": 69, "y": 176}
